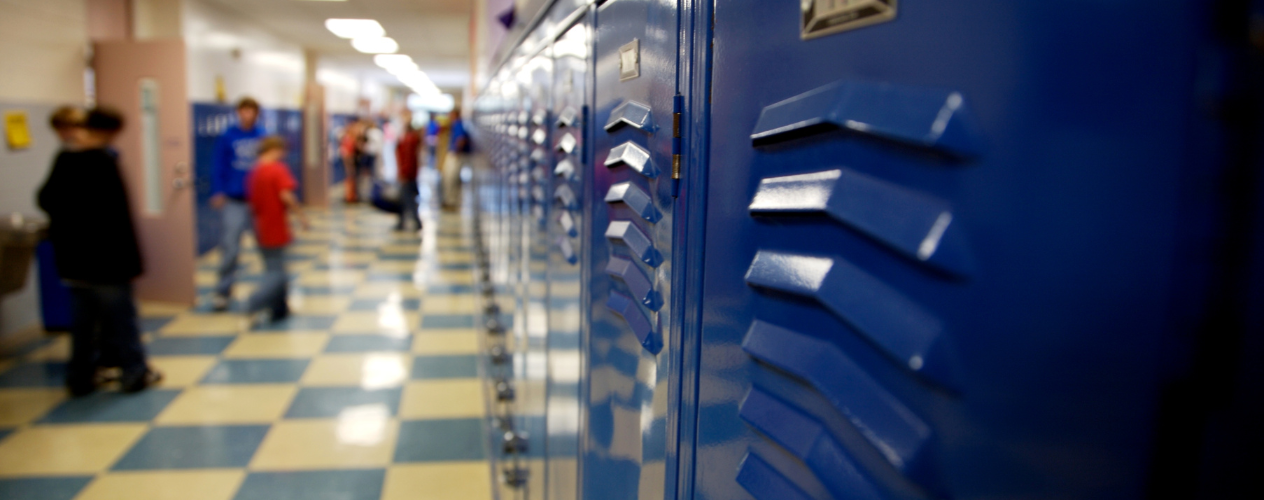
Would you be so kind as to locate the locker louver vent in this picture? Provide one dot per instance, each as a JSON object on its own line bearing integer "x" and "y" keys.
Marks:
{"x": 896, "y": 325}
{"x": 931, "y": 119}
{"x": 913, "y": 224}
{"x": 635, "y": 198}
{"x": 807, "y": 440}
{"x": 631, "y": 114}
{"x": 633, "y": 156}
{"x": 920, "y": 228}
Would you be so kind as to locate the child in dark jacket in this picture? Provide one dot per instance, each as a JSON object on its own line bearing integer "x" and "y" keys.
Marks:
{"x": 94, "y": 243}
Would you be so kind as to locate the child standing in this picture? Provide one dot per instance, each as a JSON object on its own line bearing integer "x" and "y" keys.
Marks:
{"x": 270, "y": 189}
{"x": 94, "y": 241}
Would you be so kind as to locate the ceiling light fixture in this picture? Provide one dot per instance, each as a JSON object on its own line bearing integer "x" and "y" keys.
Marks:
{"x": 355, "y": 28}
{"x": 387, "y": 61}
{"x": 376, "y": 45}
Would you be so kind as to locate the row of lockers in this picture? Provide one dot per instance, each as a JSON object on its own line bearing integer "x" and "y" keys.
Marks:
{"x": 825, "y": 249}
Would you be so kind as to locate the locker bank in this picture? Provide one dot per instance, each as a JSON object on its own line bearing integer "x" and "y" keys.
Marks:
{"x": 711, "y": 250}
{"x": 873, "y": 250}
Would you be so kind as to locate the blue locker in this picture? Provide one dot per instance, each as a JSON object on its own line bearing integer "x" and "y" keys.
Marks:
{"x": 570, "y": 167}
{"x": 947, "y": 254}
{"x": 631, "y": 343}
{"x": 875, "y": 250}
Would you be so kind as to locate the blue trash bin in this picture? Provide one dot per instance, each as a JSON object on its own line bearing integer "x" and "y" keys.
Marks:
{"x": 54, "y": 296}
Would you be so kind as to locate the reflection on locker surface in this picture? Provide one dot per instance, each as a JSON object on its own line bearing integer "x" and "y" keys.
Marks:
{"x": 873, "y": 250}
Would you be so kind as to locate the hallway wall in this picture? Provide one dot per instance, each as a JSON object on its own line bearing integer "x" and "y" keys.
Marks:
{"x": 250, "y": 60}
{"x": 45, "y": 43}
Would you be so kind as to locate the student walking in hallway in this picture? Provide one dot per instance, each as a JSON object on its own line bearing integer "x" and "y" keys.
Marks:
{"x": 407, "y": 160}
{"x": 271, "y": 191}
{"x": 94, "y": 241}
{"x": 235, "y": 153}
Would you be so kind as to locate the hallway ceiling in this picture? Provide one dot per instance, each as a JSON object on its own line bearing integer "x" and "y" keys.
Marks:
{"x": 434, "y": 32}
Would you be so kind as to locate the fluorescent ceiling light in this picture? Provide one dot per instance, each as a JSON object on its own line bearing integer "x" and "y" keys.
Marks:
{"x": 376, "y": 45}
{"x": 355, "y": 28}
{"x": 388, "y": 61}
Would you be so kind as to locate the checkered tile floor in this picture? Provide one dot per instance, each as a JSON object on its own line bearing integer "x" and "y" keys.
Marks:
{"x": 369, "y": 391}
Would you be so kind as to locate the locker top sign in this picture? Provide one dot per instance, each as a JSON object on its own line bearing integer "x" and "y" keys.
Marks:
{"x": 826, "y": 17}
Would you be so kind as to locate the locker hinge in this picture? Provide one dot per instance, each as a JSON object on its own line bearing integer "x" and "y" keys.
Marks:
{"x": 678, "y": 107}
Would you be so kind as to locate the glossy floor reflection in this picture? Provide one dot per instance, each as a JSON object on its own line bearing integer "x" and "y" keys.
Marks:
{"x": 369, "y": 391}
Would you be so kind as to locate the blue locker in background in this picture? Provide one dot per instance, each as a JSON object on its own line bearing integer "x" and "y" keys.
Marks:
{"x": 210, "y": 120}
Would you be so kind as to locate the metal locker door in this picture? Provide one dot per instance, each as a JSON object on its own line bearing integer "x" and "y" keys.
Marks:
{"x": 571, "y": 60}
{"x": 534, "y": 189}
{"x": 942, "y": 247}
{"x": 629, "y": 248}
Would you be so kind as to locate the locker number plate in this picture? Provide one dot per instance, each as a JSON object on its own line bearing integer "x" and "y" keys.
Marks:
{"x": 630, "y": 60}
{"x": 826, "y": 17}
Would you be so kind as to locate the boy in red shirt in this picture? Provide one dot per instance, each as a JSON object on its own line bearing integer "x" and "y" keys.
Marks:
{"x": 270, "y": 189}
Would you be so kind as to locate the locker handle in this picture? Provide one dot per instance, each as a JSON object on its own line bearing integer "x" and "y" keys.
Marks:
{"x": 933, "y": 119}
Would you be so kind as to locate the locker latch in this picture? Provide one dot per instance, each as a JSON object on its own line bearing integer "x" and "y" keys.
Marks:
{"x": 678, "y": 107}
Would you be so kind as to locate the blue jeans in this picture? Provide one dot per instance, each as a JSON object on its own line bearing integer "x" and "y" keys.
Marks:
{"x": 104, "y": 328}
{"x": 274, "y": 287}
{"x": 235, "y": 222}
{"x": 408, "y": 203}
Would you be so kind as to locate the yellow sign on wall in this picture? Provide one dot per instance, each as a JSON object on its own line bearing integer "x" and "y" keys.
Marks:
{"x": 16, "y": 130}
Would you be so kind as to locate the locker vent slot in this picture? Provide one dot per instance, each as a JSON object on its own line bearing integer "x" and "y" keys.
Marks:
{"x": 632, "y": 236}
{"x": 634, "y": 156}
{"x": 631, "y": 114}
{"x": 931, "y": 119}
{"x": 567, "y": 250}
{"x": 911, "y": 223}
{"x": 568, "y": 224}
{"x": 886, "y": 318}
{"x": 539, "y": 136}
{"x": 567, "y": 117}
{"x": 634, "y": 198}
{"x": 764, "y": 482}
{"x": 808, "y": 440}
{"x": 884, "y": 421}
{"x": 636, "y": 280}
{"x": 566, "y": 196}
{"x": 640, "y": 325}
{"x": 567, "y": 143}
{"x": 565, "y": 169}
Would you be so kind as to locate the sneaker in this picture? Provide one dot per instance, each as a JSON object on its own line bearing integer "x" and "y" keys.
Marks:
{"x": 145, "y": 380}
{"x": 107, "y": 374}
{"x": 219, "y": 303}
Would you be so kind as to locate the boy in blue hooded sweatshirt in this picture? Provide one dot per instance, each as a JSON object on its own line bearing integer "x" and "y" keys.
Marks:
{"x": 235, "y": 153}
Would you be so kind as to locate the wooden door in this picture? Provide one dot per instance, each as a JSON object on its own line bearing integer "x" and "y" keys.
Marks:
{"x": 146, "y": 81}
